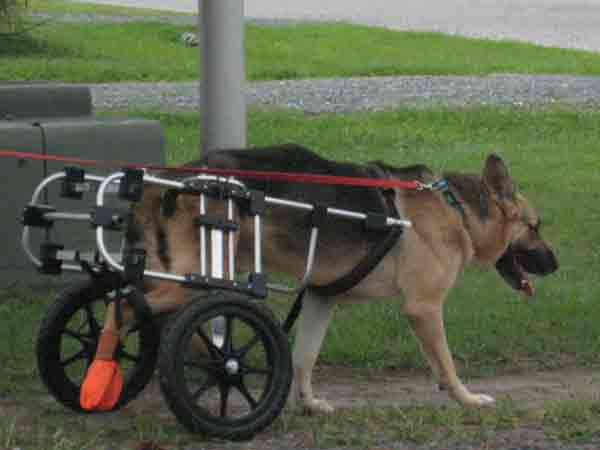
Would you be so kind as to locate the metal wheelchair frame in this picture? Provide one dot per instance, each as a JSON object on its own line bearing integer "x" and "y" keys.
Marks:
{"x": 128, "y": 266}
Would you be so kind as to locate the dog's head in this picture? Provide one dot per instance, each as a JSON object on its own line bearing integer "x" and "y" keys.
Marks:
{"x": 527, "y": 252}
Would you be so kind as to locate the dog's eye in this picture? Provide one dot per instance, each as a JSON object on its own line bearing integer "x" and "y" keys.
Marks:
{"x": 535, "y": 228}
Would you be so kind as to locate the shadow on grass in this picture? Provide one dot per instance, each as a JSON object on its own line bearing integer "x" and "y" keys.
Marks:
{"x": 24, "y": 45}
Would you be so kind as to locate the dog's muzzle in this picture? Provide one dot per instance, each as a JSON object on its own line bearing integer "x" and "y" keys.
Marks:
{"x": 516, "y": 263}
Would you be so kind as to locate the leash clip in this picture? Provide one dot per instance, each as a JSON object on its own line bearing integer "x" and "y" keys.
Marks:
{"x": 438, "y": 185}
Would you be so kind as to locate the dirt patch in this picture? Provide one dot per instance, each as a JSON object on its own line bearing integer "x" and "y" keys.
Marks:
{"x": 346, "y": 389}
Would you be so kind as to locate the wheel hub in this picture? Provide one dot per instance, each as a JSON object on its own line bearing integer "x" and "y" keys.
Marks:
{"x": 232, "y": 366}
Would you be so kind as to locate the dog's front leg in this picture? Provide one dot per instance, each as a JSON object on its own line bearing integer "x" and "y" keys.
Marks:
{"x": 315, "y": 316}
{"x": 426, "y": 320}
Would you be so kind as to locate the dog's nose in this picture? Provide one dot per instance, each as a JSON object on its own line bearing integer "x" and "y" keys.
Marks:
{"x": 539, "y": 261}
{"x": 547, "y": 261}
{"x": 552, "y": 262}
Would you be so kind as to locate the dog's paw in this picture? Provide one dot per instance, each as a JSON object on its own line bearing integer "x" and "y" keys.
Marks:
{"x": 479, "y": 400}
{"x": 317, "y": 406}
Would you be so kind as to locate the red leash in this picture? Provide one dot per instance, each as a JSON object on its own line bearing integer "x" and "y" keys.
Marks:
{"x": 251, "y": 174}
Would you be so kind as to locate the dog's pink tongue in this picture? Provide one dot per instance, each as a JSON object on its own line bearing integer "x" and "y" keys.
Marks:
{"x": 528, "y": 288}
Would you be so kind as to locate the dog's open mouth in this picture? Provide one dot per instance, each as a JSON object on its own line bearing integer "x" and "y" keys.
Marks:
{"x": 513, "y": 272}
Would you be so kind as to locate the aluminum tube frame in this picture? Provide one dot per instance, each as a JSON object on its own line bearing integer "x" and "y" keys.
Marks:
{"x": 111, "y": 180}
{"x": 100, "y": 230}
{"x": 203, "y": 237}
{"x": 257, "y": 244}
{"x": 153, "y": 180}
{"x": 390, "y": 221}
{"x": 217, "y": 254}
{"x": 217, "y": 268}
{"x": 26, "y": 235}
{"x": 310, "y": 259}
{"x": 67, "y": 216}
{"x": 230, "y": 241}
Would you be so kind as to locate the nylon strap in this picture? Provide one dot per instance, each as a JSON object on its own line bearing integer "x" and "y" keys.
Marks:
{"x": 294, "y": 312}
{"x": 372, "y": 258}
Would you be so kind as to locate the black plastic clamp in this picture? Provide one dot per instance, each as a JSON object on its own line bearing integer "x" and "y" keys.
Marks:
{"x": 257, "y": 203}
{"x": 109, "y": 218}
{"x": 376, "y": 222}
{"x": 33, "y": 216}
{"x": 219, "y": 189}
{"x": 131, "y": 186}
{"x": 134, "y": 261}
{"x": 216, "y": 223}
{"x": 318, "y": 216}
{"x": 51, "y": 265}
{"x": 195, "y": 281}
{"x": 258, "y": 285}
{"x": 255, "y": 287}
{"x": 71, "y": 184}
{"x": 140, "y": 305}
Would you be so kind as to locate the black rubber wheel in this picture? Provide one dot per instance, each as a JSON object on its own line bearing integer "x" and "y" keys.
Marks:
{"x": 68, "y": 338}
{"x": 232, "y": 390}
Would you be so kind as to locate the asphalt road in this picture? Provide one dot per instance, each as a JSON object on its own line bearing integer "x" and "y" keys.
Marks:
{"x": 561, "y": 23}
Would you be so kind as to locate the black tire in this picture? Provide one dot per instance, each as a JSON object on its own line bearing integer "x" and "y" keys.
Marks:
{"x": 230, "y": 406}
{"x": 77, "y": 315}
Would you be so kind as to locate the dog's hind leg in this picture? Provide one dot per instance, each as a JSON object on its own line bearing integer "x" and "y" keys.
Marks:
{"x": 312, "y": 326}
{"x": 163, "y": 298}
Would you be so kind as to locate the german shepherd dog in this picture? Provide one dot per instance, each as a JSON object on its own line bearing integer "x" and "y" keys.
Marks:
{"x": 489, "y": 223}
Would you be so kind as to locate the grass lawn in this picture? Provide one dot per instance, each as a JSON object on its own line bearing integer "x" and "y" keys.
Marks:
{"x": 73, "y": 7}
{"x": 553, "y": 154}
{"x": 153, "y": 52}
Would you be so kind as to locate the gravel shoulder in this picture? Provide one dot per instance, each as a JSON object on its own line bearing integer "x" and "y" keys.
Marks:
{"x": 365, "y": 94}
{"x": 189, "y": 19}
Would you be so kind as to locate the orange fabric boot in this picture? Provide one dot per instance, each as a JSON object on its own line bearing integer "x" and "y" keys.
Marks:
{"x": 103, "y": 382}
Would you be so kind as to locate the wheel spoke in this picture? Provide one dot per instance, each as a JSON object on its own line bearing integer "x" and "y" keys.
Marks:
{"x": 81, "y": 354}
{"x": 248, "y": 346}
{"x": 75, "y": 335}
{"x": 225, "y": 389}
{"x": 208, "y": 383}
{"x": 82, "y": 325}
{"x": 128, "y": 356}
{"x": 214, "y": 351}
{"x": 228, "y": 341}
{"x": 90, "y": 358}
{"x": 205, "y": 364}
{"x": 134, "y": 329}
{"x": 257, "y": 371}
{"x": 91, "y": 320}
{"x": 241, "y": 386}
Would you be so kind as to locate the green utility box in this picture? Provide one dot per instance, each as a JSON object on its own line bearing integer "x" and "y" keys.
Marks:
{"x": 83, "y": 136}
{"x": 20, "y": 100}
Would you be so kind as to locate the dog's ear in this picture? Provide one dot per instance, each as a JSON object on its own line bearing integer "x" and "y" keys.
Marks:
{"x": 497, "y": 178}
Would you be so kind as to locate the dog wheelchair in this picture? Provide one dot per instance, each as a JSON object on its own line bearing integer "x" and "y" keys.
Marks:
{"x": 223, "y": 359}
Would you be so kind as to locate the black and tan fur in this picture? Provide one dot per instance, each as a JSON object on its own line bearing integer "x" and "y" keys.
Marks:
{"x": 493, "y": 226}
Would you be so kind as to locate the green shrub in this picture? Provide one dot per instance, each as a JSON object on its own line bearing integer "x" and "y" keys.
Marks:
{"x": 12, "y": 14}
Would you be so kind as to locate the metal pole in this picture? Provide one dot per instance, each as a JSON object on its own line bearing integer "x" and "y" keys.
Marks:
{"x": 223, "y": 104}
